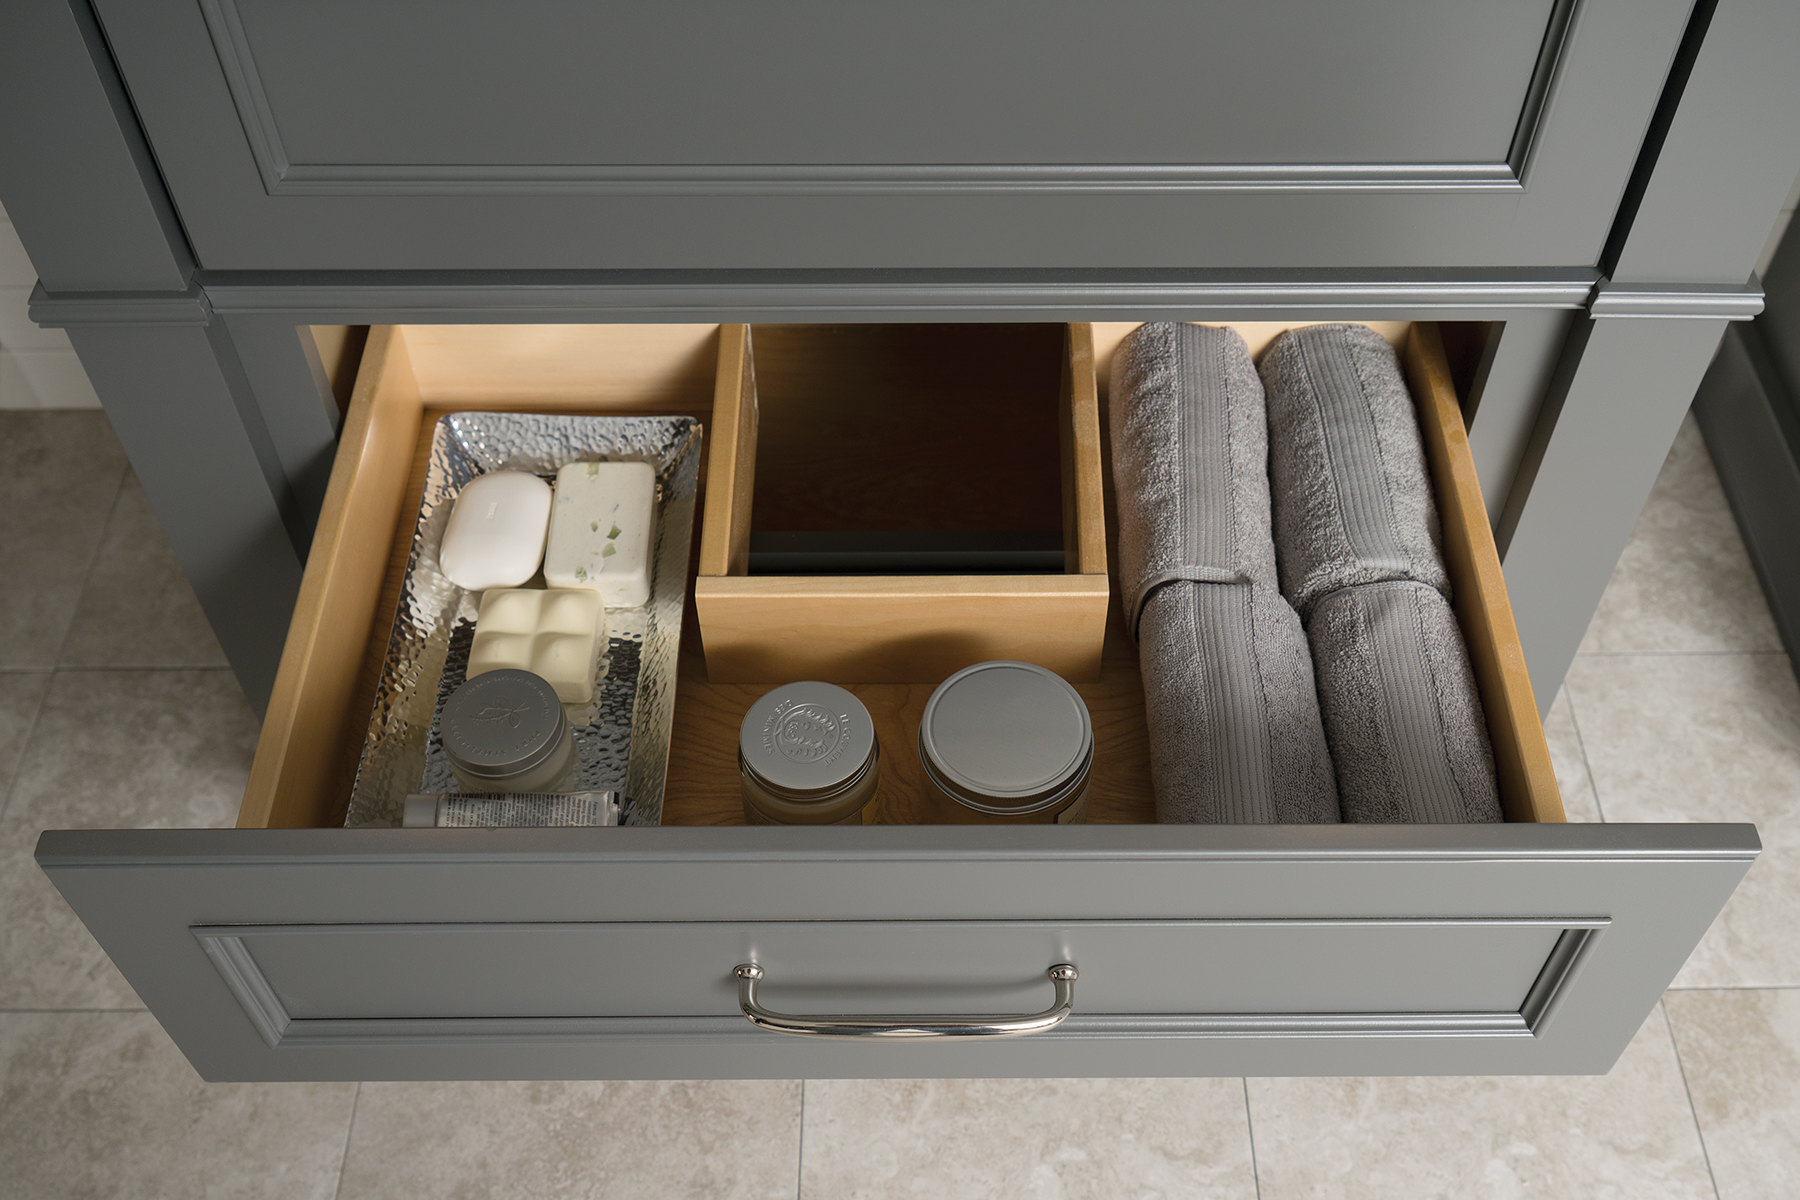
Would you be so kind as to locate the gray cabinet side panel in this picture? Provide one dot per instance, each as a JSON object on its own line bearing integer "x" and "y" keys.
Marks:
{"x": 1730, "y": 155}
{"x": 1511, "y": 395}
{"x": 173, "y": 406}
{"x": 299, "y": 414}
{"x": 1779, "y": 325}
{"x": 1752, "y": 431}
{"x": 1619, "y": 396}
{"x": 1749, "y": 410}
{"x": 77, "y": 179}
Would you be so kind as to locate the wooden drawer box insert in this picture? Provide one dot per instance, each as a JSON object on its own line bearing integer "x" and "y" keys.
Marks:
{"x": 902, "y": 428}
{"x": 868, "y": 632}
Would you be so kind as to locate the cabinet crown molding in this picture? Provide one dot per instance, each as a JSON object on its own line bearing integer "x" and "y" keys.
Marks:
{"x": 64, "y": 310}
{"x": 1693, "y": 301}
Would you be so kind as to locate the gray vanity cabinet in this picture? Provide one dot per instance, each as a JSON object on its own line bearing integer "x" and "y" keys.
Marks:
{"x": 1580, "y": 187}
{"x": 287, "y": 949}
{"x": 713, "y": 134}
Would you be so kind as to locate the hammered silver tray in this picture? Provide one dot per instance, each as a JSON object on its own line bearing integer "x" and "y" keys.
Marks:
{"x": 622, "y": 737}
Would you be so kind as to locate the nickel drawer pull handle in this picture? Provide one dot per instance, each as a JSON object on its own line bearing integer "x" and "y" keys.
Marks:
{"x": 1062, "y": 977}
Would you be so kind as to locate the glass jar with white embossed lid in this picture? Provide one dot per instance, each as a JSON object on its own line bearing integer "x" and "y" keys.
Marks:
{"x": 808, "y": 755}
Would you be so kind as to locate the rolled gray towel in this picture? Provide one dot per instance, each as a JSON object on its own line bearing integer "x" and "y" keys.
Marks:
{"x": 1235, "y": 735}
{"x": 1190, "y": 445}
{"x": 1353, "y": 499}
{"x": 1401, "y": 712}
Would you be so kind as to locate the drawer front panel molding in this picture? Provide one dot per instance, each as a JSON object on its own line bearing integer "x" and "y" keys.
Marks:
{"x": 1003, "y": 133}
{"x": 648, "y": 122}
{"x": 1469, "y": 978}
{"x": 1270, "y": 968}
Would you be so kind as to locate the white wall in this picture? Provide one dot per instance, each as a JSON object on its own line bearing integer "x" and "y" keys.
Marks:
{"x": 38, "y": 368}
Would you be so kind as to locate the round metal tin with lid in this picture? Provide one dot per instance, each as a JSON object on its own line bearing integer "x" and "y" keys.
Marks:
{"x": 808, "y": 755}
{"x": 505, "y": 731}
{"x": 1007, "y": 741}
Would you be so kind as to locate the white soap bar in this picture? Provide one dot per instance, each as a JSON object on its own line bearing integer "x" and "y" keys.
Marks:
{"x": 495, "y": 536}
{"x": 557, "y": 634}
{"x": 600, "y": 531}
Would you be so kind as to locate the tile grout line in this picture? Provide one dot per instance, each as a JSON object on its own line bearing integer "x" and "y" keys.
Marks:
{"x": 1681, "y": 653}
{"x": 344, "y": 1158}
{"x": 159, "y": 667}
{"x": 94, "y": 558}
{"x": 800, "y": 1152}
{"x": 1689, "y": 1093}
{"x": 1593, "y": 784}
{"x": 37, "y": 715}
{"x": 1736, "y": 987}
{"x": 1250, "y": 1128}
{"x": 10, "y": 1011}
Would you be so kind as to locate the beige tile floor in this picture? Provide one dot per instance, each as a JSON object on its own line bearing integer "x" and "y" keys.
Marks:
{"x": 115, "y": 710}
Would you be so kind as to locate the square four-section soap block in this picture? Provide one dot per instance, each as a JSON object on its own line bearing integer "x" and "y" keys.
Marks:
{"x": 558, "y": 633}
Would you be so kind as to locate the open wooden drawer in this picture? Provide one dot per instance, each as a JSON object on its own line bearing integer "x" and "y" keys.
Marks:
{"x": 290, "y": 948}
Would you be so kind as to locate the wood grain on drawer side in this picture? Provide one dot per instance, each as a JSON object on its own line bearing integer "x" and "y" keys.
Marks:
{"x": 902, "y": 628}
{"x": 1528, "y": 790}
{"x": 319, "y": 710}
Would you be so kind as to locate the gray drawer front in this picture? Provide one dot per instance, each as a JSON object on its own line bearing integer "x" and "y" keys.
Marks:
{"x": 684, "y": 968}
{"x": 606, "y": 953}
{"x": 642, "y": 86}
{"x": 794, "y": 134}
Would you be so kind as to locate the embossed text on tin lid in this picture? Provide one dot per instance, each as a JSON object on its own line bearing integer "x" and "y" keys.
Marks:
{"x": 806, "y": 736}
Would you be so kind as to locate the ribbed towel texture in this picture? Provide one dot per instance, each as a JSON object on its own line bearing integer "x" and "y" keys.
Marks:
{"x": 1346, "y": 462}
{"x": 1235, "y": 736}
{"x": 1357, "y": 542}
{"x": 1400, "y": 707}
{"x": 1235, "y": 732}
{"x": 1190, "y": 461}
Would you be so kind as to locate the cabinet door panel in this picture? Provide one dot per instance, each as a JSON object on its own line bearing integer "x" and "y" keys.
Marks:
{"x": 797, "y": 133}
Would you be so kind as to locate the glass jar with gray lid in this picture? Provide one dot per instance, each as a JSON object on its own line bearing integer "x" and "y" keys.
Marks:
{"x": 505, "y": 731}
{"x": 1009, "y": 743}
{"x": 808, "y": 755}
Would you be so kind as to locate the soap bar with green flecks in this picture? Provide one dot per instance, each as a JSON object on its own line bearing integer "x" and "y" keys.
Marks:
{"x": 600, "y": 531}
